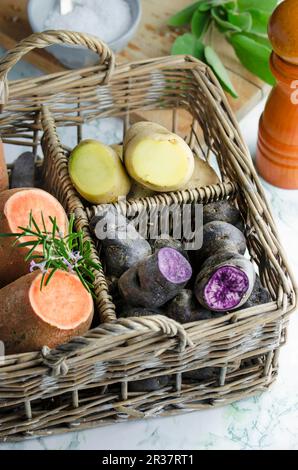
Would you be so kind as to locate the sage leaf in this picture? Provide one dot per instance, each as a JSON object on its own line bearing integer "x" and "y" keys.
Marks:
{"x": 258, "y": 38}
{"x": 265, "y": 5}
{"x": 253, "y": 55}
{"x": 260, "y": 21}
{"x": 218, "y": 15}
{"x": 242, "y": 20}
{"x": 220, "y": 71}
{"x": 199, "y": 23}
{"x": 188, "y": 44}
{"x": 184, "y": 16}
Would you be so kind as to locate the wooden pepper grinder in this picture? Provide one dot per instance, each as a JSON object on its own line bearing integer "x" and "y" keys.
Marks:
{"x": 277, "y": 152}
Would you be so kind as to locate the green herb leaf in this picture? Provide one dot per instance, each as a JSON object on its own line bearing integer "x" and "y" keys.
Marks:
{"x": 253, "y": 55}
{"x": 188, "y": 44}
{"x": 220, "y": 71}
{"x": 260, "y": 39}
{"x": 241, "y": 20}
{"x": 266, "y": 5}
{"x": 260, "y": 20}
{"x": 220, "y": 18}
{"x": 184, "y": 16}
{"x": 199, "y": 23}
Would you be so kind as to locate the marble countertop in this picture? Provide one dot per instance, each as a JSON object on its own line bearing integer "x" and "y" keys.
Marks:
{"x": 268, "y": 421}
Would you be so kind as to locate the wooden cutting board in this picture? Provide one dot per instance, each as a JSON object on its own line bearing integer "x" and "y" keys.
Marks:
{"x": 153, "y": 39}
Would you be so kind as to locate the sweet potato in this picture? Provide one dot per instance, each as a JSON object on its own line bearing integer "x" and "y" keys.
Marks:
{"x": 218, "y": 236}
{"x": 206, "y": 374}
{"x": 223, "y": 211}
{"x": 156, "y": 279}
{"x": 31, "y": 318}
{"x": 4, "y": 183}
{"x": 15, "y": 208}
{"x": 122, "y": 245}
{"x": 97, "y": 172}
{"x": 225, "y": 282}
{"x": 157, "y": 158}
{"x": 185, "y": 308}
{"x": 23, "y": 173}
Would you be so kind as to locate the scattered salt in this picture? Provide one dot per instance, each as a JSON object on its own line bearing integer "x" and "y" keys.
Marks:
{"x": 107, "y": 20}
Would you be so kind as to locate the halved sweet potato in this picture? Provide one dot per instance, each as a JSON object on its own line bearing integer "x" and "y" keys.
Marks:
{"x": 15, "y": 208}
{"x": 31, "y": 318}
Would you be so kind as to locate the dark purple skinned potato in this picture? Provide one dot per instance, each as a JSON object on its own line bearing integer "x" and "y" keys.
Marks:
{"x": 225, "y": 282}
{"x": 223, "y": 211}
{"x": 155, "y": 280}
{"x": 123, "y": 246}
{"x": 260, "y": 296}
{"x": 127, "y": 311}
{"x": 185, "y": 308}
{"x": 206, "y": 374}
{"x": 149, "y": 385}
{"x": 219, "y": 236}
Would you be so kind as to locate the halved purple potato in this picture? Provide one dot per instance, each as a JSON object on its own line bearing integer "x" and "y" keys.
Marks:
{"x": 155, "y": 280}
{"x": 185, "y": 308}
{"x": 223, "y": 211}
{"x": 169, "y": 243}
{"x": 225, "y": 282}
{"x": 220, "y": 236}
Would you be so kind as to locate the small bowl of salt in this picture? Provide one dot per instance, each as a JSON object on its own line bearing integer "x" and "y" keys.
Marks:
{"x": 114, "y": 22}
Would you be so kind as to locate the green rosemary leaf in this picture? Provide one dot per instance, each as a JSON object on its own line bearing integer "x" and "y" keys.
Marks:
{"x": 35, "y": 224}
{"x": 28, "y": 256}
{"x": 51, "y": 275}
{"x": 43, "y": 222}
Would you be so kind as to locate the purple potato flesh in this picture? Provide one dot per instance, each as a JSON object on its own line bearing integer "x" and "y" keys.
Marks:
{"x": 226, "y": 288}
{"x": 173, "y": 266}
{"x": 225, "y": 282}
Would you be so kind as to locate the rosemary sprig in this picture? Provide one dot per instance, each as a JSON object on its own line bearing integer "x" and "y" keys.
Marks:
{"x": 59, "y": 252}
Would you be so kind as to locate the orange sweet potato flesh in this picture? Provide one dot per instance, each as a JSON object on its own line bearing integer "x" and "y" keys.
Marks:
{"x": 4, "y": 184}
{"x": 15, "y": 207}
{"x": 31, "y": 318}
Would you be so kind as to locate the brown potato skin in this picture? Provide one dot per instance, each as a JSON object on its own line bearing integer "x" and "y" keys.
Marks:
{"x": 21, "y": 330}
{"x": 4, "y": 182}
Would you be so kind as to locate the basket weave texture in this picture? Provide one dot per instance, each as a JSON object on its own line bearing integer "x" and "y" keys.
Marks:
{"x": 86, "y": 383}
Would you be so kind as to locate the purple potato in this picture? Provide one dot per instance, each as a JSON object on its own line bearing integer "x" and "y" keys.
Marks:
{"x": 128, "y": 311}
{"x": 185, "y": 308}
{"x": 23, "y": 173}
{"x": 203, "y": 375}
{"x": 149, "y": 385}
{"x": 220, "y": 236}
{"x": 169, "y": 243}
{"x": 122, "y": 246}
{"x": 223, "y": 211}
{"x": 155, "y": 280}
{"x": 225, "y": 282}
{"x": 260, "y": 296}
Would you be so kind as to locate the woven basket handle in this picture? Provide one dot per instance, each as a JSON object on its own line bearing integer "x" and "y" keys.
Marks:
{"x": 50, "y": 38}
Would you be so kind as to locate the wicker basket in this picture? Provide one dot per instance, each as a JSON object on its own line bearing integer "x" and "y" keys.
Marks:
{"x": 85, "y": 383}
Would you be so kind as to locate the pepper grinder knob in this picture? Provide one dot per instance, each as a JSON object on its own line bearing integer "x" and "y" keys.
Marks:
{"x": 277, "y": 151}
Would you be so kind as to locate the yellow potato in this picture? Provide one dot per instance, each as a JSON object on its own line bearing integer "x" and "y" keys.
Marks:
{"x": 157, "y": 158}
{"x": 97, "y": 172}
{"x": 203, "y": 175}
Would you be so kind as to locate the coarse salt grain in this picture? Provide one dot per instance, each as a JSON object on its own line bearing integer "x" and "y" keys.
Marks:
{"x": 107, "y": 20}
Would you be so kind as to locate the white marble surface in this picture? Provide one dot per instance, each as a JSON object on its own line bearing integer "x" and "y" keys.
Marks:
{"x": 269, "y": 421}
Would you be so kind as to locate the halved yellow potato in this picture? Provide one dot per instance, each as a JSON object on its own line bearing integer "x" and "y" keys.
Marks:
{"x": 97, "y": 172}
